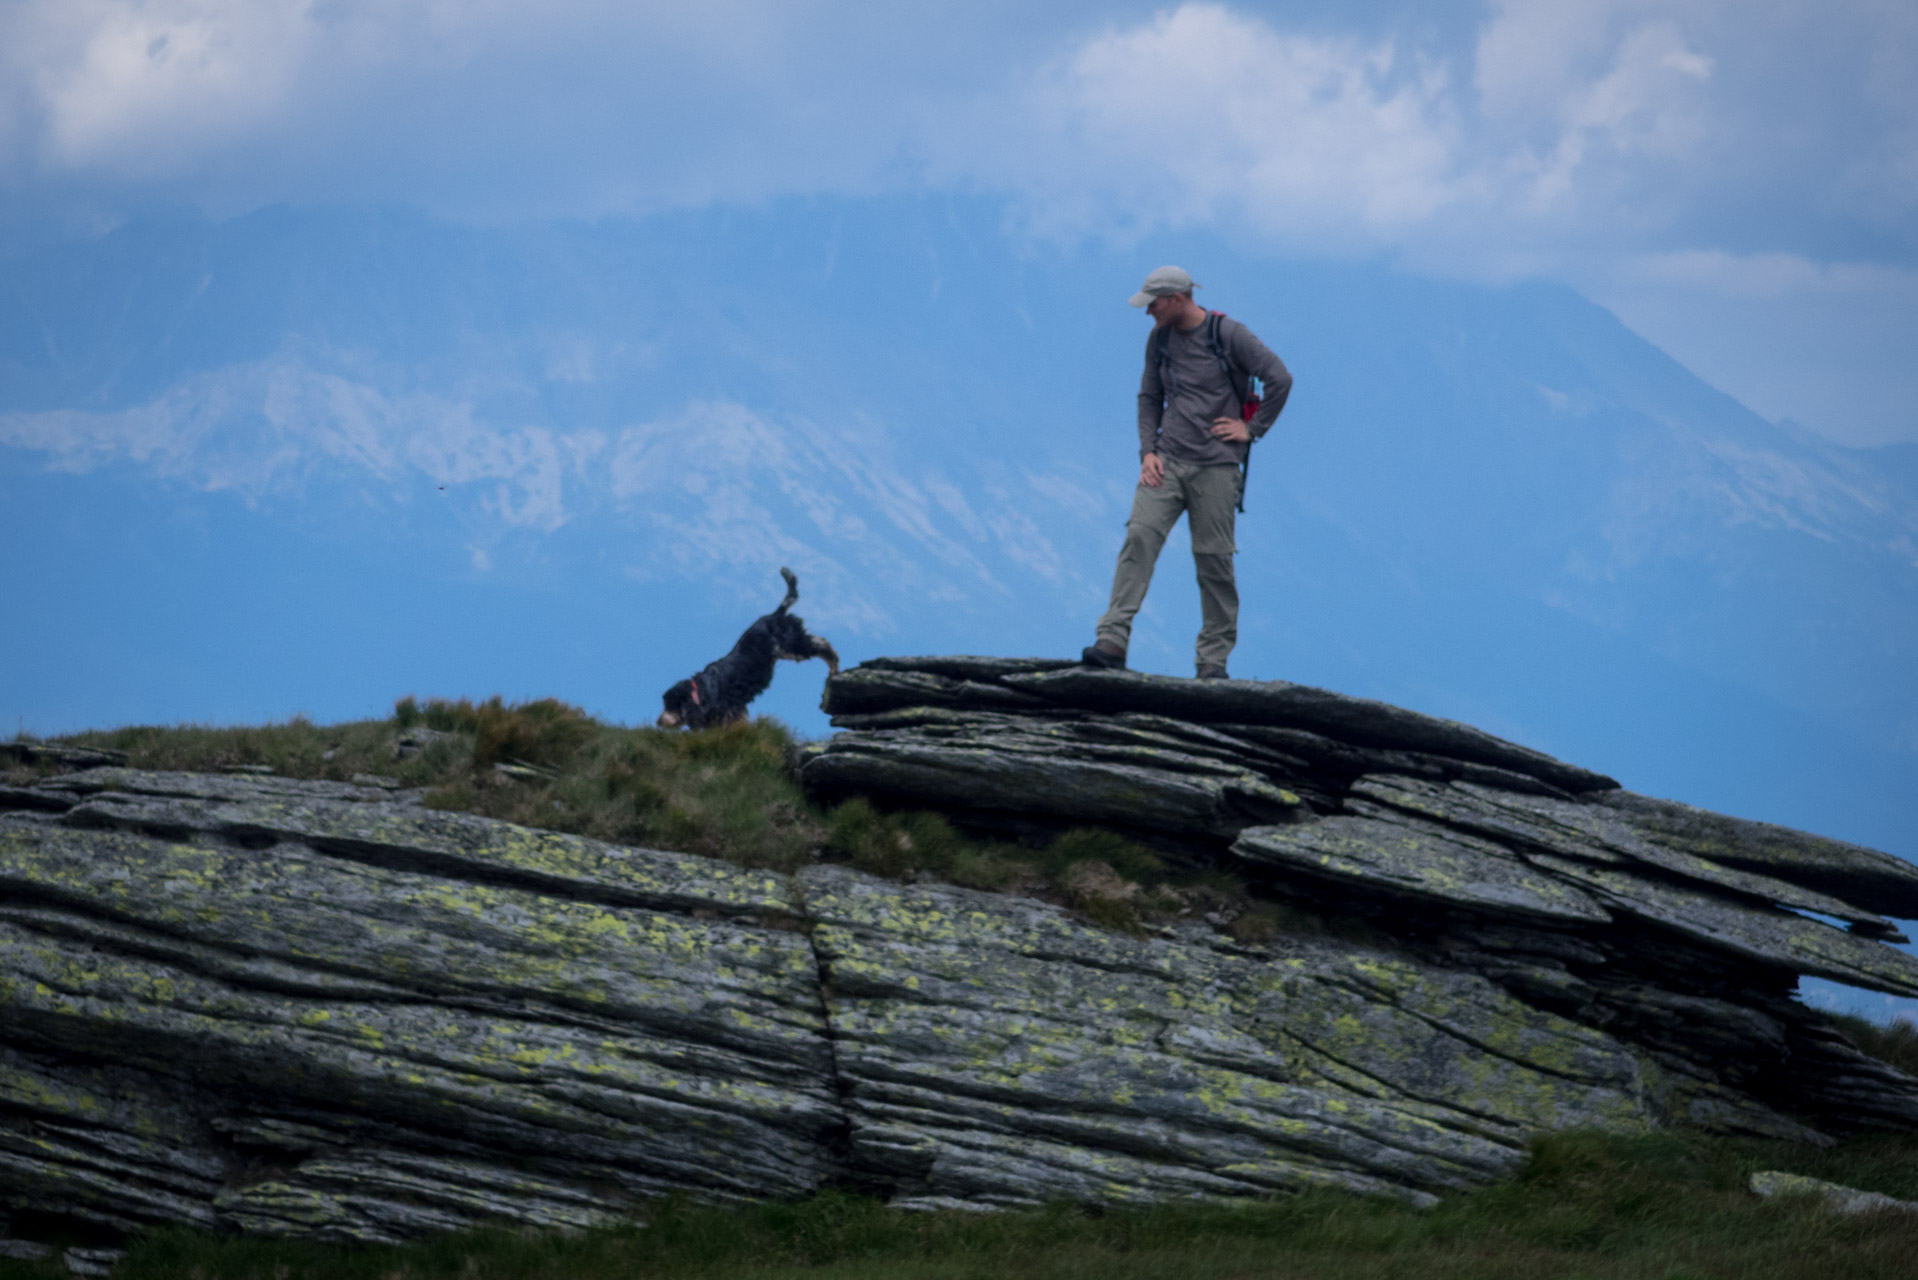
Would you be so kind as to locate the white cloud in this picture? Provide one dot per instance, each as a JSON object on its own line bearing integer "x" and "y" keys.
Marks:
{"x": 492, "y": 108}
{"x": 136, "y": 87}
{"x": 1648, "y": 104}
{"x": 1585, "y": 140}
{"x": 1769, "y": 275}
{"x": 1574, "y": 126}
{"x": 1205, "y": 114}
{"x": 1572, "y": 133}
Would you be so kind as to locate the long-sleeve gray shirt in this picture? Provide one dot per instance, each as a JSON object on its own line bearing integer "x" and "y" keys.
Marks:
{"x": 1181, "y": 395}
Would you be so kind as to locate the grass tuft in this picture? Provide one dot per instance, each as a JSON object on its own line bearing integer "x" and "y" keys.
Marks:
{"x": 546, "y": 732}
{"x": 1896, "y": 1043}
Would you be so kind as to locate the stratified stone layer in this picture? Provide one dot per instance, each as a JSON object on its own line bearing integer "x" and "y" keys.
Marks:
{"x": 1004, "y": 1053}
{"x": 1679, "y": 931}
{"x": 316, "y": 1012}
{"x": 302, "y": 1008}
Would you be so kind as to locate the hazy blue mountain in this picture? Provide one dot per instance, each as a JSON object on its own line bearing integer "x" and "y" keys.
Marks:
{"x": 308, "y": 460}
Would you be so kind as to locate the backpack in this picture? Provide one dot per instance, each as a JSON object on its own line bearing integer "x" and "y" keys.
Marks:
{"x": 1241, "y": 384}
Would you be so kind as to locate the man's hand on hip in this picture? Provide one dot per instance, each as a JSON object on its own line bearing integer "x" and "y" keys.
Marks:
{"x": 1233, "y": 430}
{"x": 1151, "y": 471}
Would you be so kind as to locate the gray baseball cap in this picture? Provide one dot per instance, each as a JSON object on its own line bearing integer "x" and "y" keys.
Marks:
{"x": 1162, "y": 281}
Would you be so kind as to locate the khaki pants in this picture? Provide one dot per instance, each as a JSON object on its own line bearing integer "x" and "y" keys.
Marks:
{"x": 1208, "y": 496}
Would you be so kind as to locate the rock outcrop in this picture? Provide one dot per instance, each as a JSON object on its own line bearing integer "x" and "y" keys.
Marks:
{"x": 1679, "y": 932}
{"x": 313, "y": 1008}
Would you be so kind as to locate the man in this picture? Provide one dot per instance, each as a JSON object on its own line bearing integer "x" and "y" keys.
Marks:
{"x": 1193, "y": 441}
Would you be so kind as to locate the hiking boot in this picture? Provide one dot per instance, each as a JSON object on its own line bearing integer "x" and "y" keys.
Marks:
{"x": 1212, "y": 671}
{"x": 1104, "y": 656}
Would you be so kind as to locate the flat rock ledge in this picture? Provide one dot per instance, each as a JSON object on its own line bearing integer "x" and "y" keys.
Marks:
{"x": 317, "y": 1009}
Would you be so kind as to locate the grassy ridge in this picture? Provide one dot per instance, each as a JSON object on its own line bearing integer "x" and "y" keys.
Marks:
{"x": 724, "y": 793}
{"x": 1664, "y": 1206}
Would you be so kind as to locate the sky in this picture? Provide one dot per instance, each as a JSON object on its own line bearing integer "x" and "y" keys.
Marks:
{"x": 334, "y": 365}
{"x": 1738, "y": 181}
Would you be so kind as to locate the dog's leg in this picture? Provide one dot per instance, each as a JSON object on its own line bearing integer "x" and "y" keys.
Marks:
{"x": 812, "y": 646}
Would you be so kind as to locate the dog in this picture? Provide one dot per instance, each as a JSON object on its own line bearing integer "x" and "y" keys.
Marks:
{"x": 719, "y": 693}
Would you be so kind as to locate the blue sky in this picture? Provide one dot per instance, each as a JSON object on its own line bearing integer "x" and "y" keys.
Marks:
{"x": 1739, "y": 181}
{"x": 357, "y": 349}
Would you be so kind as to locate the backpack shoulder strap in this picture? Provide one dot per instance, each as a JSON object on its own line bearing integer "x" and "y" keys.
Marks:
{"x": 1214, "y": 321}
{"x": 1155, "y": 345}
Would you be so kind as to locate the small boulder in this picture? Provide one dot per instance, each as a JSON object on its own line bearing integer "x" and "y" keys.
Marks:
{"x": 92, "y": 1263}
{"x": 1837, "y": 1197}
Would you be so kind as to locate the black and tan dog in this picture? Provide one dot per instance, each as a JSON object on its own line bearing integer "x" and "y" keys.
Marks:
{"x": 720, "y": 692}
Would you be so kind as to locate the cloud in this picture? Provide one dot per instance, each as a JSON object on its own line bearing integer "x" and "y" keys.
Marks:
{"x": 1557, "y": 139}
{"x": 133, "y": 86}
{"x": 1204, "y": 113}
{"x": 1585, "y": 140}
{"x": 1585, "y": 125}
{"x": 499, "y": 108}
{"x": 1649, "y": 104}
{"x": 1770, "y": 275}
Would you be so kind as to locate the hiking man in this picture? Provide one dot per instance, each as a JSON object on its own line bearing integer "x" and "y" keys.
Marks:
{"x": 1196, "y": 427}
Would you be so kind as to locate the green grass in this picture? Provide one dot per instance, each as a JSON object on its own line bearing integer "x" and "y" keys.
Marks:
{"x": 725, "y": 793}
{"x": 1585, "y": 1205}
{"x": 1896, "y": 1043}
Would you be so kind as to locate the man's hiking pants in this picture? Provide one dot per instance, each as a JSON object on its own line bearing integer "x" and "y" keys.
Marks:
{"x": 1207, "y": 496}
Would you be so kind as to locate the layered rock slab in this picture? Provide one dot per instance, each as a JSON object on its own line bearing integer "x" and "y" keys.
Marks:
{"x": 1000, "y": 1052}
{"x": 334, "y": 1034}
{"x": 306, "y": 1009}
{"x": 1682, "y": 930}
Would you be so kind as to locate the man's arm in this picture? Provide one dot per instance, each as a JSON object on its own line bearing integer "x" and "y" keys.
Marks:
{"x": 1253, "y": 356}
{"x": 1151, "y": 397}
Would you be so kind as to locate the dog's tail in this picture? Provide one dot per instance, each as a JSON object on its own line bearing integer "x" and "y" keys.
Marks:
{"x": 792, "y": 590}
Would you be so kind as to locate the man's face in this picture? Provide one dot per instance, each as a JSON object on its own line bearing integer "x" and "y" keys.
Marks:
{"x": 1166, "y": 308}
